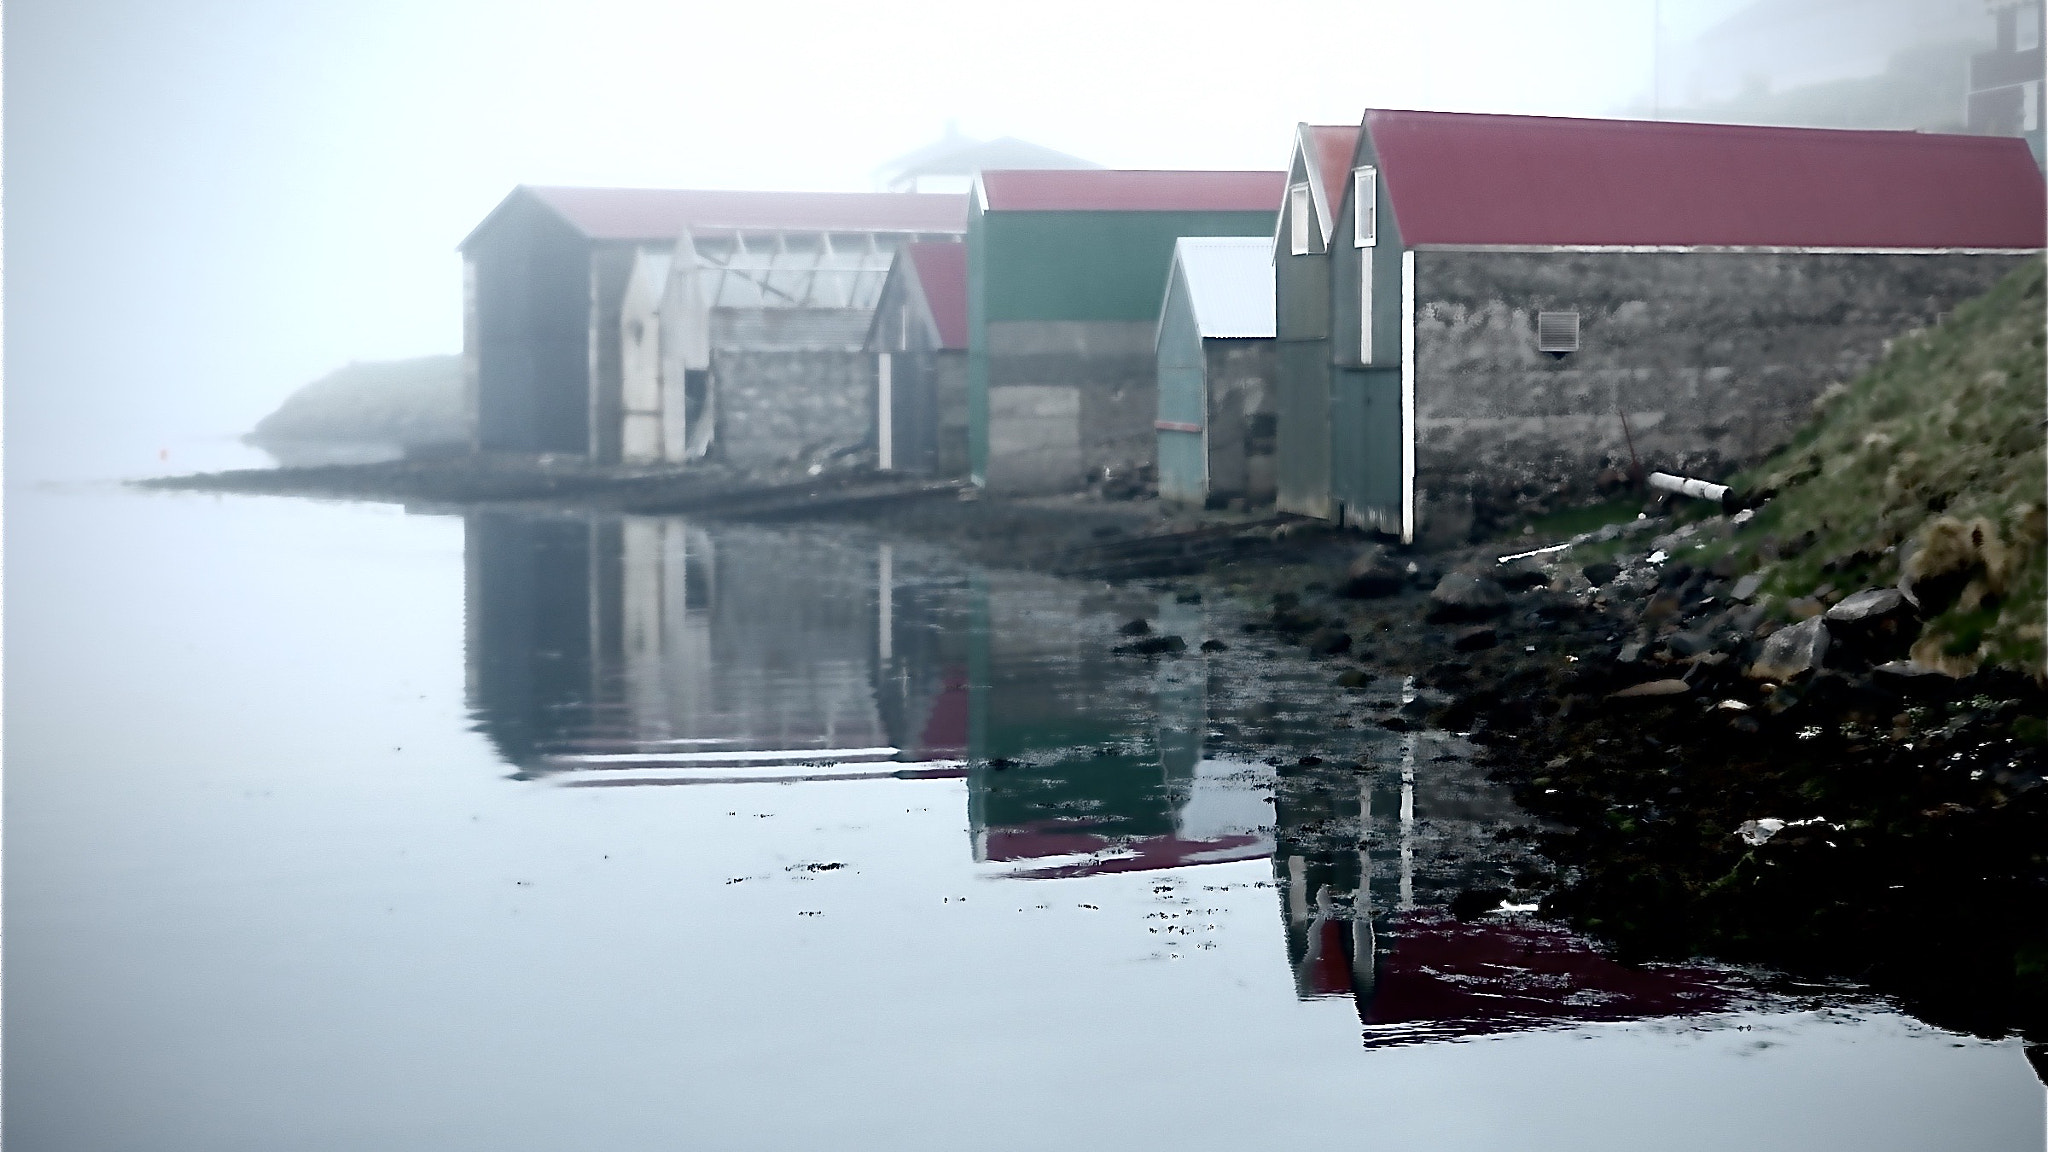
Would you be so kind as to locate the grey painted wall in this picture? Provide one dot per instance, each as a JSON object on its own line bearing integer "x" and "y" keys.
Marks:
{"x": 1716, "y": 358}
{"x": 1068, "y": 400}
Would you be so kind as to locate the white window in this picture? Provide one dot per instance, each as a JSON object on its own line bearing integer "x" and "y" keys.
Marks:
{"x": 2030, "y": 106}
{"x": 1557, "y": 331}
{"x": 1365, "y": 207}
{"x": 1299, "y": 212}
{"x": 1365, "y": 306}
{"x": 2026, "y": 35}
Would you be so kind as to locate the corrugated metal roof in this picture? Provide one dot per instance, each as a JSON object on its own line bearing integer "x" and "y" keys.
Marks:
{"x": 1133, "y": 191}
{"x": 941, "y": 268}
{"x": 662, "y": 213}
{"x": 1461, "y": 178}
{"x": 1230, "y": 284}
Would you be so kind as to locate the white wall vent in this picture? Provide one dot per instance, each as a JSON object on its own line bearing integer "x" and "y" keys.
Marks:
{"x": 1365, "y": 207}
{"x": 1300, "y": 212}
{"x": 1557, "y": 331}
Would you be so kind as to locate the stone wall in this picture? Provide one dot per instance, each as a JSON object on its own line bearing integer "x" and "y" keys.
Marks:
{"x": 1069, "y": 402}
{"x": 1242, "y": 374}
{"x": 1716, "y": 358}
{"x": 792, "y": 407}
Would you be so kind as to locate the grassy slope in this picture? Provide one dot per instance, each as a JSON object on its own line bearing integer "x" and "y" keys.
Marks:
{"x": 1948, "y": 425}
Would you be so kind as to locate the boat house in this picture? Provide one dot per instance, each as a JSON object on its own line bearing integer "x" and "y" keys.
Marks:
{"x": 767, "y": 298}
{"x": 1217, "y": 363}
{"x": 1521, "y": 305}
{"x": 1066, "y": 271}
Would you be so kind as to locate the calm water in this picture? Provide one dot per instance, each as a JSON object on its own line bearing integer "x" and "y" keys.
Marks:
{"x": 334, "y": 827}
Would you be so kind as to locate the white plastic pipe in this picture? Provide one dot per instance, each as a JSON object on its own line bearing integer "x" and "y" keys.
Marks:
{"x": 1686, "y": 486}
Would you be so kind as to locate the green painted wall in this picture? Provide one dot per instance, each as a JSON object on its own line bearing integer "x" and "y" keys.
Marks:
{"x": 1365, "y": 414}
{"x": 1301, "y": 431}
{"x": 1365, "y": 445}
{"x": 1347, "y": 264}
{"x": 1086, "y": 265}
{"x": 977, "y": 343}
{"x": 1104, "y": 266}
{"x": 1183, "y": 471}
{"x": 1301, "y": 448}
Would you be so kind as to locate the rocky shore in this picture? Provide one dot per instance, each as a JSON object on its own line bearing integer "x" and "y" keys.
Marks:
{"x": 1710, "y": 772}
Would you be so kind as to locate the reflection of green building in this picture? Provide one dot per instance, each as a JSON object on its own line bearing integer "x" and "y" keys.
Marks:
{"x": 1065, "y": 274}
{"x": 1076, "y": 752}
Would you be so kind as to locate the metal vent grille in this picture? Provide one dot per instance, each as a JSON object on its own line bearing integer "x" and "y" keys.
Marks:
{"x": 1557, "y": 331}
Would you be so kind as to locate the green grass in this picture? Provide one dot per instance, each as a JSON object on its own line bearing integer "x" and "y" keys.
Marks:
{"x": 1949, "y": 424}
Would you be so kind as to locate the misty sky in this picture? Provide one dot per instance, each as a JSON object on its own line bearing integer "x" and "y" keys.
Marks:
{"x": 210, "y": 203}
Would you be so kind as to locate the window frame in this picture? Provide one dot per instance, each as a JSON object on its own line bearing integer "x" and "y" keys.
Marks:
{"x": 1301, "y": 210}
{"x": 1365, "y": 206}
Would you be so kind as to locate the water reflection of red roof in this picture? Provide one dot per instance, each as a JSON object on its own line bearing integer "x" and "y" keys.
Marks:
{"x": 1460, "y": 979}
{"x": 945, "y": 726}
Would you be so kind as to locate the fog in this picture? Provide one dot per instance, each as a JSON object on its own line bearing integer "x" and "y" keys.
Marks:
{"x": 211, "y": 203}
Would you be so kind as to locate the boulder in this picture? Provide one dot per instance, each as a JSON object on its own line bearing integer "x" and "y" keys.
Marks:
{"x": 1793, "y": 652}
{"x": 1521, "y": 576}
{"x": 1653, "y": 690}
{"x": 1137, "y": 627}
{"x": 1868, "y": 607}
{"x": 1152, "y": 646}
{"x": 1689, "y": 643}
{"x": 1371, "y": 575}
{"x": 1329, "y": 642}
{"x": 1475, "y": 638}
{"x": 1747, "y": 587}
{"x": 1919, "y": 681}
{"x": 1464, "y": 596}
{"x": 1601, "y": 572}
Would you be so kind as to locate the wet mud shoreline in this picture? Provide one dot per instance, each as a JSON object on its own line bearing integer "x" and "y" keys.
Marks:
{"x": 1848, "y": 820}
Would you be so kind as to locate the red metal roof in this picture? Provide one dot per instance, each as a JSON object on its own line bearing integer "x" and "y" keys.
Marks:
{"x": 1133, "y": 191}
{"x": 1333, "y": 147}
{"x": 941, "y": 268}
{"x": 1460, "y": 178}
{"x": 662, "y": 213}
